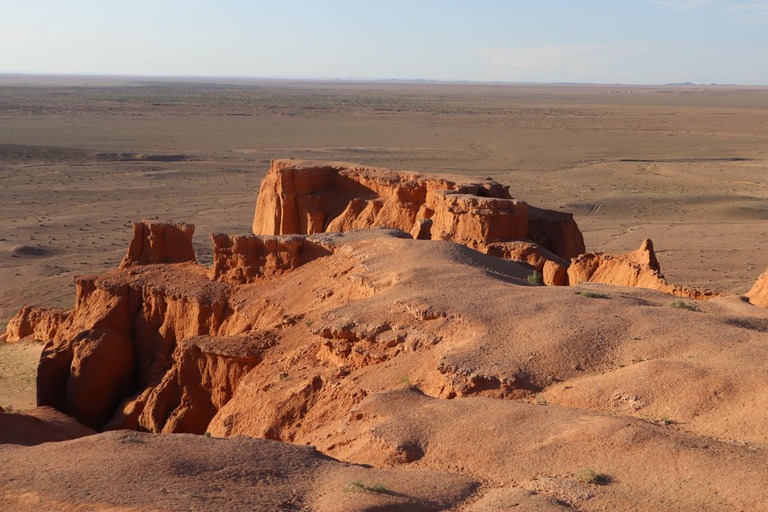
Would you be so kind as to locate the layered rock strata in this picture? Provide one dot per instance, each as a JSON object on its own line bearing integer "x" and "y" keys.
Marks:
{"x": 314, "y": 197}
{"x": 157, "y": 241}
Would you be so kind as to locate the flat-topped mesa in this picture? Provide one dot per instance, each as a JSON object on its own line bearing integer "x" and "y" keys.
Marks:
{"x": 639, "y": 268}
{"x": 157, "y": 241}
{"x": 307, "y": 197}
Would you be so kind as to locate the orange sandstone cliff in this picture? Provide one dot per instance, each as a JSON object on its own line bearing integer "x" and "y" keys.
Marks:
{"x": 313, "y": 197}
{"x": 379, "y": 349}
{"x": 639, "y": 268}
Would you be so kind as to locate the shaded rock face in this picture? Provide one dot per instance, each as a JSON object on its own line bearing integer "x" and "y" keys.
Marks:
{"x": 121, "y": 338}
{"x": 160, "y": 242}
{"x": 39, "y": 425}
{"x": 314, "y": 197}
{"x": 242, "y": 259}
{"x": 149, "y": 346}
{"x": 639, "y": 268}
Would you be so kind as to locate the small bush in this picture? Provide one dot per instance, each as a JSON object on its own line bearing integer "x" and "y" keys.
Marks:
{"x": 666, "y": 421}
{"x": 360, "y": 486}
{"x": 592, "y": 294}
{"x": 592, "y": 477}
{"x": 681, "y": 304}
{"x": 535, "y": 278}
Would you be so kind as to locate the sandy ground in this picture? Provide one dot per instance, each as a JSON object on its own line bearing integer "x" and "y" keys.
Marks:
{"x": 81, "y": 159}
{"x": 681, "y": 165}
{"x": 18, "y": 370}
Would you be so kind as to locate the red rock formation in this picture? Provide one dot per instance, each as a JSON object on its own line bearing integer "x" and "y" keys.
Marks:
{"x": 553, "y": 269}
{"x": 639, "y": 268}
{"x": 557, "y": 231}
{"x": 203, "y": 378}
{"x": 41, "y": 323}
{"x": 312, "y": 197}
{"x": 160, "y": 242}
{"x": 120, "y": 336}
{"x": 242, "y": 259}
{"x": 758, "y": 294}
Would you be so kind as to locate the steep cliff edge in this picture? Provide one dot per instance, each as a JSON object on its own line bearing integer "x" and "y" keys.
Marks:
{"x": 378, "y": 348}
{"x": 308, "y": 197}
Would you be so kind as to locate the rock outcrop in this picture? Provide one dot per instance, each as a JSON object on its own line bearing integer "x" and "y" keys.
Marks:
{"x": 358, "y": 343}
{"x": 758, "y": 294}
{"x": 242, "y": 259}
{"x": 160, "y": 242}
{"x": 39, "y": 323}
{"x": 639, "y": 268}
{"x": 314, "y": 197}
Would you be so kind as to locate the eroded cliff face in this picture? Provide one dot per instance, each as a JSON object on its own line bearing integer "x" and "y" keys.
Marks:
{"x": 315, "y": 197}
{"x": 166, "y": 345}
{"x": 40, "y": 323}
{"x": 381, "y": 349}
{"x": 639, "y": 268}
{"x": 157, "y": 241}
{"x": 243, "y": 259}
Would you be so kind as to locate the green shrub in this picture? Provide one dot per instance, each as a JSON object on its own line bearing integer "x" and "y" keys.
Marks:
{"x": 360, "y": 486}
{"x": 535, "y": 278}
{"x": 590, "y": 476}
{"x": 681, "y": 304}
{"x": 590, "y": 294}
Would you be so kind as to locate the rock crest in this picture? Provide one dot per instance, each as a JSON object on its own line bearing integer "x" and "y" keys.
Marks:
{"x": 305, "y": 197}
{"x": 639, "y": 268}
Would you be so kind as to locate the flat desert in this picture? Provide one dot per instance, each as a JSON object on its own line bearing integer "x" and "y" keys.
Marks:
{"x": 366, "y": 327}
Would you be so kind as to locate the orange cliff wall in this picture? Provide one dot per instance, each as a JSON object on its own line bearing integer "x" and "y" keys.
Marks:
{"x": 312, "y": 197}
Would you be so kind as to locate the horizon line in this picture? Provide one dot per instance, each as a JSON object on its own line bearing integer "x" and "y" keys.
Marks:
{"x": 414, "y": 81}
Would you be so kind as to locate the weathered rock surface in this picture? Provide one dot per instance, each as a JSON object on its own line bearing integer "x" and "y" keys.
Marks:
{"x": 242, "y": 259}
{"x": 758, "y": 294}
{"x": 639, "y": 268}
{"x": 314, "y": 197}
{"x": 160, "y": 242}
{"x": 40, "y": 323}
{"x": 385, "y": 350}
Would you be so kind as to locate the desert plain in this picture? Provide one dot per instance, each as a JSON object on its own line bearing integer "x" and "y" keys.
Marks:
{"x": 621, "y": 402}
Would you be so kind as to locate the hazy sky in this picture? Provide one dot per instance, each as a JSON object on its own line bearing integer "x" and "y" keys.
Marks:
{"x": 607, "y": 41}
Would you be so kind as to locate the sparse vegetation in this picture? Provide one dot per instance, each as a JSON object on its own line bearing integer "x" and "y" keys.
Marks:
{"x": 535, "y": 278}
{"x": 590, "y": 294}
{"x": 592, "y": 477}
{"x": 130, "y": 437}
{"x": 667, "y": 421}
{"x": 681, "y": 304}
{"x": 207, "y": 434}
{"x": 360, "y": 486}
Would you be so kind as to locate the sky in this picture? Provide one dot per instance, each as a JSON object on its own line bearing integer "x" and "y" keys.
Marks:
{"x": 588, "y": 41}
